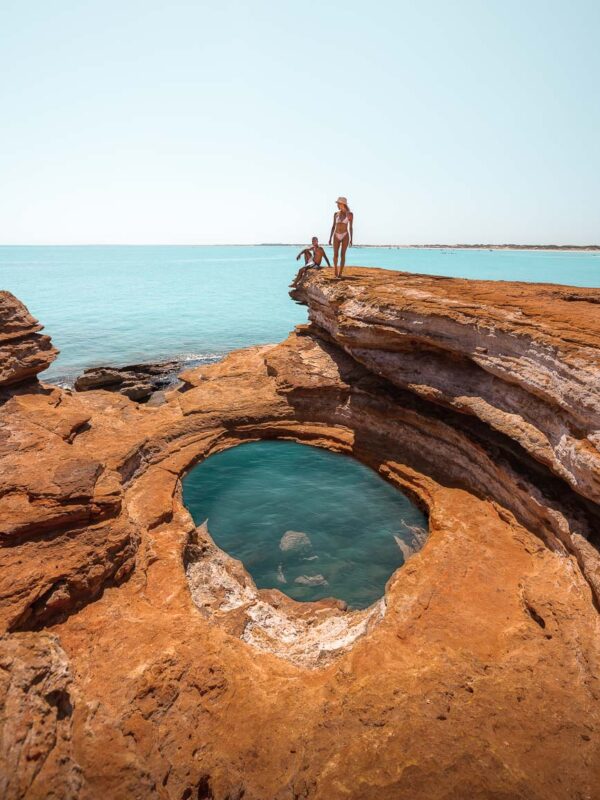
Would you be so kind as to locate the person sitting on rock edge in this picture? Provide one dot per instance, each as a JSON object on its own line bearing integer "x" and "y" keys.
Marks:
{"x": 313, "y": 256}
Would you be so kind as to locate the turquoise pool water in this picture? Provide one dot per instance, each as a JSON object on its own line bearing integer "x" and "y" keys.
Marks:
{"x": 125, "y": 304}
{"x": 311, "y": 523}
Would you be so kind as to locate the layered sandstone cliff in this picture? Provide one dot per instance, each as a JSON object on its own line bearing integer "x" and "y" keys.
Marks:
{"x": 23, "y": 350}
{"x": 526, "y": 361}
{"x": 523, "y": 360}
{"x": 140, "y": 661}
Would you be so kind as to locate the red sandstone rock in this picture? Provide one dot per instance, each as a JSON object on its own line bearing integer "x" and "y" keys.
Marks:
{"x": 36, "y": 719}
{"x": 23, "y": 351}
{"x": 168, "y": 675}
{"x": 523, "y": 358}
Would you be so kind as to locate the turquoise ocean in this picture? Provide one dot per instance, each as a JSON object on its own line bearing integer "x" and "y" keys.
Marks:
{"x": 118, "y": 305}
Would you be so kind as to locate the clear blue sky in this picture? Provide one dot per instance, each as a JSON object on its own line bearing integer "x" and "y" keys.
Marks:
{"x": 196, "y": 122}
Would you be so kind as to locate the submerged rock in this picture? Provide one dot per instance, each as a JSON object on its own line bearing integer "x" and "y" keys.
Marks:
{"x": 412, "y": 541}
{"x": 312, "y": 580}
{"x": 294, "y": 540}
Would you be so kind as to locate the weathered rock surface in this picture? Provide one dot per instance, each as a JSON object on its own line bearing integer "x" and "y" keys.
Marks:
{"x": 136, "y": 381}
{"x": 23, "y": 350}
{"x": 476, "y": 676}
{"x": 526, "y": 361}
{"x": 36, "y": 719}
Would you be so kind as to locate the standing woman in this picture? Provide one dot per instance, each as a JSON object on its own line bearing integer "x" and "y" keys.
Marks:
{"x": 341, "y": 234}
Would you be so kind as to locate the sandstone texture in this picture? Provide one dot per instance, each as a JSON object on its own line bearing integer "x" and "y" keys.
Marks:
{"x": 140, "y": 661}
{"x": 23, "y": 350}
{"x": 527, "y": 363}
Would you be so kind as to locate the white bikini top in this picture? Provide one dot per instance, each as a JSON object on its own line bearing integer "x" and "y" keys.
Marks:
{"x": 338, "y": 218}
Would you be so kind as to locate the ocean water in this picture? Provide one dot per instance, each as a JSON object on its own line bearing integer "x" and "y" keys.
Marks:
{"x": 121, "y": 305}
{"x": 311, "y": 523}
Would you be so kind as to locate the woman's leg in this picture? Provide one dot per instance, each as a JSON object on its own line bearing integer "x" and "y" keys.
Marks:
{"x": 345, "y": 241}
{"x": 336, "y": 250}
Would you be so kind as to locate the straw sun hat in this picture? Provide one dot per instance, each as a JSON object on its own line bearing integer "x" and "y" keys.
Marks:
{"x": 343, "y": 200}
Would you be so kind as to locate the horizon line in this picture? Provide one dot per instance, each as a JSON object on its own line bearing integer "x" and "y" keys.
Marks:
{"x": 432, "y": 245}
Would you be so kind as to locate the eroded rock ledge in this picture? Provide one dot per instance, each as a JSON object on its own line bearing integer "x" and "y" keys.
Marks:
{"x": 481, "y": 677}
{"x": 24, "y": 351}
{"x": 522, "y": 359}
{"x": 525, "y": 360}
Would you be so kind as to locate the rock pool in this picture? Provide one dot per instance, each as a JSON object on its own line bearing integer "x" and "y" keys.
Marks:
{"x": 309, "y": 522}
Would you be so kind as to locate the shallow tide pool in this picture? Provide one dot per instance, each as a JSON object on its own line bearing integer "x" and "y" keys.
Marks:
{"x": 311, "y": 523}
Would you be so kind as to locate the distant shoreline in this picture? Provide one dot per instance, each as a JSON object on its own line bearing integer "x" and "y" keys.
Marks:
{"x": 550, "y": 247}
{"x": 578, "y": 248}
{"x": 561, "y": 248}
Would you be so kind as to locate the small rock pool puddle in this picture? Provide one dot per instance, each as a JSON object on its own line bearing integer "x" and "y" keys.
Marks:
{"x": 311, "y": 523}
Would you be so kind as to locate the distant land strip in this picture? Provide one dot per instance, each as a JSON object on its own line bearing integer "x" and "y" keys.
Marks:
{"x": 585, "y": 247}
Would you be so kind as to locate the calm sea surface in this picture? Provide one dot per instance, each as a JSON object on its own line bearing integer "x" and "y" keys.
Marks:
{"x": 126, "y": 304}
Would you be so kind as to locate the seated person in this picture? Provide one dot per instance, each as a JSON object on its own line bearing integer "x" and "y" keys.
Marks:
{"x": 314, "y": 255}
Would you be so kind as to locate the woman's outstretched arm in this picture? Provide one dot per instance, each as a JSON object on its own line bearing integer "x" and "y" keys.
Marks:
{"x": 351, "y": 226}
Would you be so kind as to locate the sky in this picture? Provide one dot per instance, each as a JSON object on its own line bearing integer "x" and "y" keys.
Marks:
{"x": 194, "y": 122}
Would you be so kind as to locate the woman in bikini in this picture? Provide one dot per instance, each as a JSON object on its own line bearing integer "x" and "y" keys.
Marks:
{"x": 341, "y": 234}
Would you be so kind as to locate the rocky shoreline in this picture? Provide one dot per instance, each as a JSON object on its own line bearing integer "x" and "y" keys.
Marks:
{"x": 143, "y": 382}
{"x": 134, "y": 647}
{"x": 139, "y": 382}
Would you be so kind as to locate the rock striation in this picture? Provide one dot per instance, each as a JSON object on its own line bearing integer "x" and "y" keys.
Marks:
{"x": 139, "y": 660}
{"x": 23, "y": 350}
{"x": 527, "y": 363}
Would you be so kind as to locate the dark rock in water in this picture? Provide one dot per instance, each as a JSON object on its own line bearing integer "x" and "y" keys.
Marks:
{"x": 136, "y": 381}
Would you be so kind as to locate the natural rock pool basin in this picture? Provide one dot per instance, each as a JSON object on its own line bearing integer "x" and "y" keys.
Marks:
{"x": 309, "y": 522}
